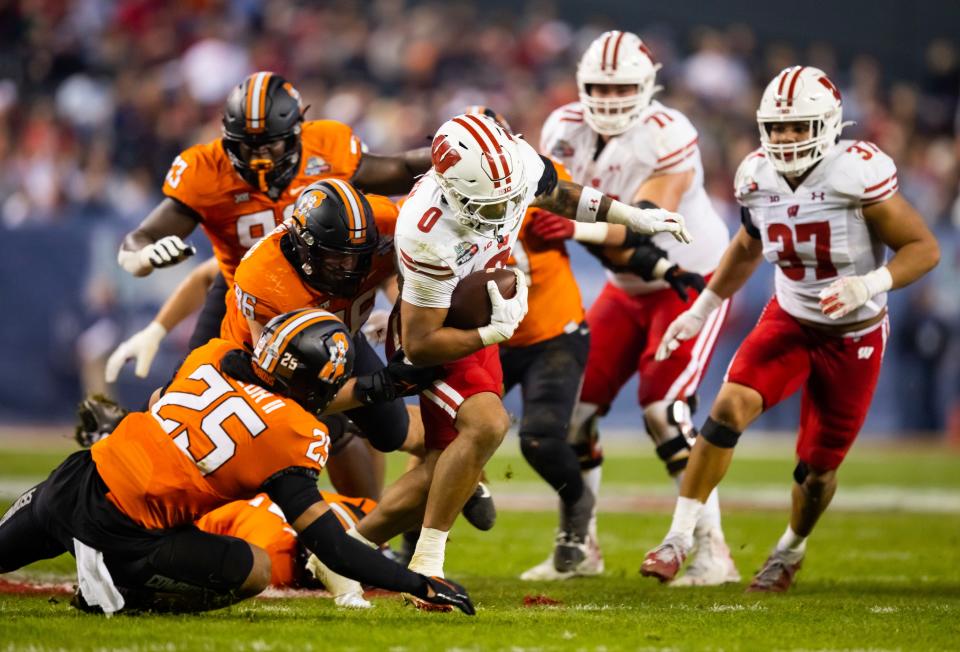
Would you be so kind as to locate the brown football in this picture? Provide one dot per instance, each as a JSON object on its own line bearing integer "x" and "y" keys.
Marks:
{"x": 470, "y": 305}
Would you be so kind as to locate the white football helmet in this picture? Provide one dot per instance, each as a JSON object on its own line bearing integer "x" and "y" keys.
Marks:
{"x": 616, "y": 58}
{"x": 800, "y": 94}
{"x": 480, "y": 170}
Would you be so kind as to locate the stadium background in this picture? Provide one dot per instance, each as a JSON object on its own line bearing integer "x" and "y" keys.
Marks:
{"x": 98, "y": 97}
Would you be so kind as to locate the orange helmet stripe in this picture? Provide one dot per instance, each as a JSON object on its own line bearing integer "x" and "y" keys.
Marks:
{"x": 356, "y": 216}
{"x": 269, "y": 356}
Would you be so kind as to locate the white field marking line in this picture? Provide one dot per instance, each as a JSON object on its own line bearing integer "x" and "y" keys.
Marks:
{"x": 628, "y": 498}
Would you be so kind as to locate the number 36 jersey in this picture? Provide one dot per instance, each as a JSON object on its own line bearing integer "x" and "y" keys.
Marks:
{"x": 816, "y": 233}
{"x": 233, "y": 213}
{"x": 209, "y": 440}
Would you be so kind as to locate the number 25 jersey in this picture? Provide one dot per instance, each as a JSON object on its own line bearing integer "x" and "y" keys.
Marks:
{"x": 816, "y": 233}
{"x": 233, "y": 213}
{"x": 209, "y": 440}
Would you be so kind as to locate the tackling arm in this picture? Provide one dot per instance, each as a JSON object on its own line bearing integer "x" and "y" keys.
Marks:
{"x": 158, "y": 241}
{"x": 428, "y": 342}
{"x": 391, "y": 175}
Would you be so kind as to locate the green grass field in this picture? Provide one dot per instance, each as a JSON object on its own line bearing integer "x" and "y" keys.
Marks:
{"x": 882, "y": 573}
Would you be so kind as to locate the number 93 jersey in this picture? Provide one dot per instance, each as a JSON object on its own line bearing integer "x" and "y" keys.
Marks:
{"x": 816, "y": 233}
{"x": 435, "y": 250}
{"x": 210, "y": 439}
{"x": 233, "y": 213}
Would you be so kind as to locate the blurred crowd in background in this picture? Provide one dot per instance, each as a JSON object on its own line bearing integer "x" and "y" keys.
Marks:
{"x": 97, "y": 97}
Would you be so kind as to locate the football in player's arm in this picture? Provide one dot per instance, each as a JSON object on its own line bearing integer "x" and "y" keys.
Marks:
{"x": 124, "y": 507}
{"x": 836, "y": 207}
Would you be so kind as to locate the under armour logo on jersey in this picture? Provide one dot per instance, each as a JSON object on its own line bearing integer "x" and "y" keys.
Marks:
{"x": 818, "y": 195}
{"x": 864, "y": 352}
{"x": 792, "y": 211}
{"x": 443, "y": 155}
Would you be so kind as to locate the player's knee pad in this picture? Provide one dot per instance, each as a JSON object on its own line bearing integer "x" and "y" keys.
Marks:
{"x": 669, "y": 426}
{"x": 584, "y": 435}
{"x": 800, "y": 472}
{"x": 719, "y": 435}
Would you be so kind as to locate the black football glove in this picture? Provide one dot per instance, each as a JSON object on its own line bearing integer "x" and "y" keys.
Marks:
{"x": 681, "y": 280}
{"x": 447, "y": 593}
{"x": 97, "y": 416}
{"x": 397, "y": 379}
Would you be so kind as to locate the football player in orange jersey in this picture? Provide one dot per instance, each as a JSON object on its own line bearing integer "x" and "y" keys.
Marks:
{"x": 228, "y": 426}
{"x": 240, "y": 186}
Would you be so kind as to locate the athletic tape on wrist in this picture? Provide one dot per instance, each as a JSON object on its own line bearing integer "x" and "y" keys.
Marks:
{"x": 589, "y": 205}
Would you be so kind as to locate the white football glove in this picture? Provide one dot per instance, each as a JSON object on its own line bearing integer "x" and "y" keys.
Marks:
{"x": 649, "y": 221}
{"x": 142, "y": 345}
{"x": 165, "y": 252}
{"x": 506, "y": 314}
{"x": 375, "y": 328}
{"x": 345, "y": 592}
{"x": 688, "y": 323}
{"x": 848, "y": 293}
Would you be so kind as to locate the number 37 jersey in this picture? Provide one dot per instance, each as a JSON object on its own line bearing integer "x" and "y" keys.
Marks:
{"x": 816, "y": 233}
{"x": 209, "y": 440}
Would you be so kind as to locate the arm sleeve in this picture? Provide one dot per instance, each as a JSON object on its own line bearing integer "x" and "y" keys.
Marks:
{"x": 428, "y": 280}
{"x": 294, "y": 489}
{"x": 346, "y": 556}
{"x": 747, "y": 220}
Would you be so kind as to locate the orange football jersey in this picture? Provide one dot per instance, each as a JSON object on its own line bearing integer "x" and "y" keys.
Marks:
{"x": 233, "y": 213}
{"x": 267, "y": 285}
{"x": 554, "y": 297}
{"x": 261, "y": 522}
{"x": 209, "y": 440}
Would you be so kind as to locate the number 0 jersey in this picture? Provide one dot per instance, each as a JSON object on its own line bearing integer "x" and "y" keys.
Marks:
{"x": 233, "y": 213}
{"x": 662, "y": 142}
{"x": 435, "y": 250}
{"x": 209, "y": 440}
{"x": 817, "y": 233}
{"x": 266, "y": 283}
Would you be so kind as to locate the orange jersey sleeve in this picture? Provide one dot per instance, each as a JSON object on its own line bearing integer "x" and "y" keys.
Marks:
{"x": 234, "y": 214}
{"x": 267, "y": 285}
{"x": 385, "y": 213}
{"x": 260, "y": 522}
{"x": 554, "y": 300}
{"x": 210, "y": 439}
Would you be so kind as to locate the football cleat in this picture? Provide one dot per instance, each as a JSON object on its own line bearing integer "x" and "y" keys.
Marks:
{"x": 711, "y": 564}
{"x": 664, "y": 561}
{"x": 776, "y": 575}
{"x": 545, "y": 571}
{"x": 568, "y": 552}
{"x": 479, "y": 509}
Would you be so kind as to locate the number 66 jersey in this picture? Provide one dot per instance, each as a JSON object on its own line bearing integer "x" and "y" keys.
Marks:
{"x": 209, "y": 440}
{"x": 816, "y": 233}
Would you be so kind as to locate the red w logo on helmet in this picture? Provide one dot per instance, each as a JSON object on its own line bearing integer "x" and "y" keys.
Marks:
{"x": 443, "y": 155}
{"x": 830, "y": 87}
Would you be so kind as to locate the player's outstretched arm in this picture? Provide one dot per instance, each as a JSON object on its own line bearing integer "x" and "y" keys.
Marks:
{"x": 391, "y": 175}
{"x": 320, "y": 531}
{"x": 916, "y": 252}
{"x": 158, "y": 241}
{"x": 739, "y": 260}
{"x": 585, "y": 204}
{"x": 142, "y": 346}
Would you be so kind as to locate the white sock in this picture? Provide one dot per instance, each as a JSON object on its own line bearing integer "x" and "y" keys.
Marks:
{"x": 591, "y": 478}
{"x": 428, "y": 557}
{"x": 710, "y": 516}
{"x": 793, "y": 544}
{"x": 353, "y": 532}
{"x": 685, "y": 517}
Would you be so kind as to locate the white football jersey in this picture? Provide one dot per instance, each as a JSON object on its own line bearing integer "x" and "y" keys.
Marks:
{"x": 435, "y": 251}
{"x": 817, "y": 233}
{"x": 662, "y": 142}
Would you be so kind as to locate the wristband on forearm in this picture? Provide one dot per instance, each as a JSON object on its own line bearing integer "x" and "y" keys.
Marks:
{"x": 591, "y": 232}
{"x": 877, "y": 281}
{"x": 589, "y": 205}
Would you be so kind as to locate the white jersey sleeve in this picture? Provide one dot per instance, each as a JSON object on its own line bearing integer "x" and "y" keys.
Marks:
{"x": 674, "y": 142}
{"x": 866, "y": 174}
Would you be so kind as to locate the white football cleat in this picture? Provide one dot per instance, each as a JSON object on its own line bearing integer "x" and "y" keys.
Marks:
{"x": 711, "y": 565}
{"x": 590, "y": 566}
{"x": 345, "y": 591}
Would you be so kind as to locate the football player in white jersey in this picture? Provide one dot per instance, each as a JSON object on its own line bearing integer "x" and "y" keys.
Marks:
{"x": 823, "y": 210}
{"x": 619, "y": 140}
{"x": 464, "y": 216}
